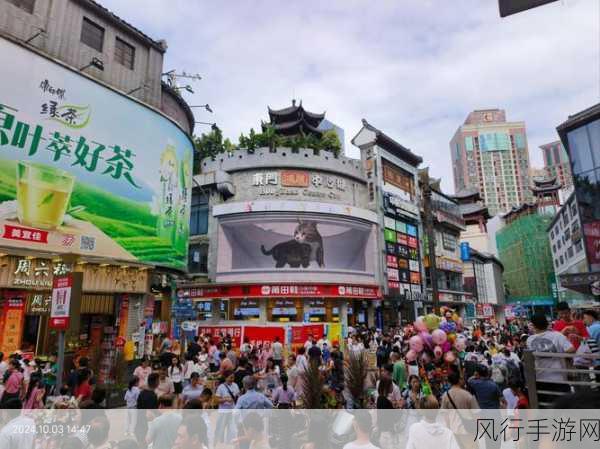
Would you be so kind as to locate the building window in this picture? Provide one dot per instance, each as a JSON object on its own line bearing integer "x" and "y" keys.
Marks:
{"x": 124, "y": 53}
{"x": 562, "y": 260}
{"x": 556, "y": 150}
{"x": 198, "y": 258}
{"x": 199, "y": 214}
{"x": 578, "y": 247}
{"x": 92, "y": 35}
{"x": 25, "y": 5}
{"x": 570, "y": 252}
{"x": 554, "y": 248}
{"x": 449, "y": 241}
{"x": 573, "y": 209}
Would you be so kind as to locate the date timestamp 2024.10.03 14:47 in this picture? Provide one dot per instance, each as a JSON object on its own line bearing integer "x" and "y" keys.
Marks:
{"x": 51, "y": 429}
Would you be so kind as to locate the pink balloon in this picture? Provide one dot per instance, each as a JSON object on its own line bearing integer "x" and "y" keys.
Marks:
{"x": 438, "y": 336}
{"x": 420, "y": 325}
{"x": 446, "y": 346}
{"x": 411, "y": 356}
{"x": 437, "y": 352}
{"x": 426, "y": 337}
{"x": 449, "y": 357}
{"x": 416, "y": 343}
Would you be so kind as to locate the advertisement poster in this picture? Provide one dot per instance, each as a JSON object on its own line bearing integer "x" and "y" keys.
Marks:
{"x": 591, "y": 232}
{"x": 61, "y": 302}
{"x": 300, "y": 334}
{"x": 85, "y": 170}
{"x": 13, "y": 318}
{"x": 235, "y": 332}
{"x": 259, "y": 335}
{"x": 303, "y": 243}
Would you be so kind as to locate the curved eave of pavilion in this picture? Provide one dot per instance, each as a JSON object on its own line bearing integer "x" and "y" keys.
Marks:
{"x": 294, "y": 127}
{"x": 292, "y": 113}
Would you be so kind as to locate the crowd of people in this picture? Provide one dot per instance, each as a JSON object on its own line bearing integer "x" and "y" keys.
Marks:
{"x": 414, "y": 367}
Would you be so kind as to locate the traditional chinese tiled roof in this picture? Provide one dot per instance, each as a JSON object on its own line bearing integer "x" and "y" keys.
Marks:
{"x": 386, "y": 142}
{"x": 474, "y": 208}
{"x": 295, "y": 120}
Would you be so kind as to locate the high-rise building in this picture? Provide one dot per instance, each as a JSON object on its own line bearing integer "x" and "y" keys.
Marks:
{"x": 556, "y": 163}
{"x": 491, "y": 154}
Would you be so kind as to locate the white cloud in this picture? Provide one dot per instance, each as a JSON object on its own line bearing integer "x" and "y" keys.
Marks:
{"x": 413, "y": 68}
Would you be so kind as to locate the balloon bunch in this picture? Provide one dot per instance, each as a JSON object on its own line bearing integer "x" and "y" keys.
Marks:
{"x": 436, "y": 339}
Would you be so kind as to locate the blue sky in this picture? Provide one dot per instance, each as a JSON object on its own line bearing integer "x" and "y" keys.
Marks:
{"x": 413, "y": 68}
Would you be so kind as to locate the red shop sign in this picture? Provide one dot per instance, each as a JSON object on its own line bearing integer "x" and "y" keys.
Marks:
{"x": 281, "y": 291}
{"x": 260, "y": 335}
{"x": 235, "y": 332}
{"x": 300, "y": 334}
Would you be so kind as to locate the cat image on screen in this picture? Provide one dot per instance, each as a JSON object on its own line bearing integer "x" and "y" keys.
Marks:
{"x": 306, "y": 246}
{"x": 291, "y": 253}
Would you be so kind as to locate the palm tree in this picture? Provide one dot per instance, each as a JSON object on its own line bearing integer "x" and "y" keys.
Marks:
{"x": 356, "y": 371}
{"x": 312, "y": 386}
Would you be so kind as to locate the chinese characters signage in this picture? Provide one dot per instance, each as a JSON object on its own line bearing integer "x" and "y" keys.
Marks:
{"x": 299, "y": 183}
{"x": 282, "y": 290}
{"x": 61, "y": 302}
{"x": 402, "y": 256}
{"x": 11, "y": 321}
{"x": 85, "y": 170}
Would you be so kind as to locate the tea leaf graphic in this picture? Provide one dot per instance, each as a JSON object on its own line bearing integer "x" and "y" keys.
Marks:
{"x": 47, "y": 199}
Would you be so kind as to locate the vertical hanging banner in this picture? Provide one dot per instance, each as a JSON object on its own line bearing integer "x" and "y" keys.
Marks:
{"x": 13, "y": 314}
{"x": 61, "y": 302}
{"x": 66, "y": 290}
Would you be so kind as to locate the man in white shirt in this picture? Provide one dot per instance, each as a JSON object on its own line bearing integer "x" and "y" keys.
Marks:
{"x": 363, "y": 424}
{"x": 545, "y": 340}
{"x": 277, "y": 353}
{"x": 19, "y": 432}
{"x": 427, "y": 433}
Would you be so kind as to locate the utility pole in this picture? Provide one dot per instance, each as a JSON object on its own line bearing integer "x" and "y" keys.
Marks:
{"x": 430, "y": 233}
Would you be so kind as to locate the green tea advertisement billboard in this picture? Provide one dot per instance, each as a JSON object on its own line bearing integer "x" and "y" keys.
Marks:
{"x": 86, "y": 170}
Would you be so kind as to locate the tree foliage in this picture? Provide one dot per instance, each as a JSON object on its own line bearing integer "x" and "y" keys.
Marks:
{"x": 356, "y": 371}
{"x": 212, "y": 143}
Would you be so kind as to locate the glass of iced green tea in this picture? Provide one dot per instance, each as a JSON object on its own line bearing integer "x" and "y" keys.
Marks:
{"x": 43, "y": 194}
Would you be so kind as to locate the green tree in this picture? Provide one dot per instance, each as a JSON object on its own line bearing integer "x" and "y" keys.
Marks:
{"x": 331, "y": 142}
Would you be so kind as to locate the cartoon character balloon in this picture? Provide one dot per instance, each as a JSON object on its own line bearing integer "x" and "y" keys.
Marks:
{"x": 438, "y": 336}
{"x": 432, "y": 321}
{"x": 426, "y": 337}
{"x": 420, "y": 325}
{"x": 416, "y": 343}
{"x": 411, "y": 356}
{"x": 437, "y": 352}
{"x": 461, "y": 343}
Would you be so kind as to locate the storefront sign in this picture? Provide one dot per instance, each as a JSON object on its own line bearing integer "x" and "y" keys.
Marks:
{"x": 91, "y": 173}
{"x": 215, "y": 332}
{"x": 259, "y": 335}
{"x": 37, "y": 274}
{"x": 281, "y": 290}
{"x": 38, "y": 304}
{"x": 11, "y": 322}
{"x": 300, "y": 334}
{"x": 298, "y": 183}
{"x": 399, "y": 178}
{"x": 61, "y": 302}
{"x": 485, "y": 310}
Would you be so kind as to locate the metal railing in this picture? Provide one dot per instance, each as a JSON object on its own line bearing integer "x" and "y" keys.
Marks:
{"x": 573, "y": 379}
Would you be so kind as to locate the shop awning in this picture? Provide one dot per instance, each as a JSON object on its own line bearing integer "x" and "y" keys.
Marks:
{"x": 288, "y": 290}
